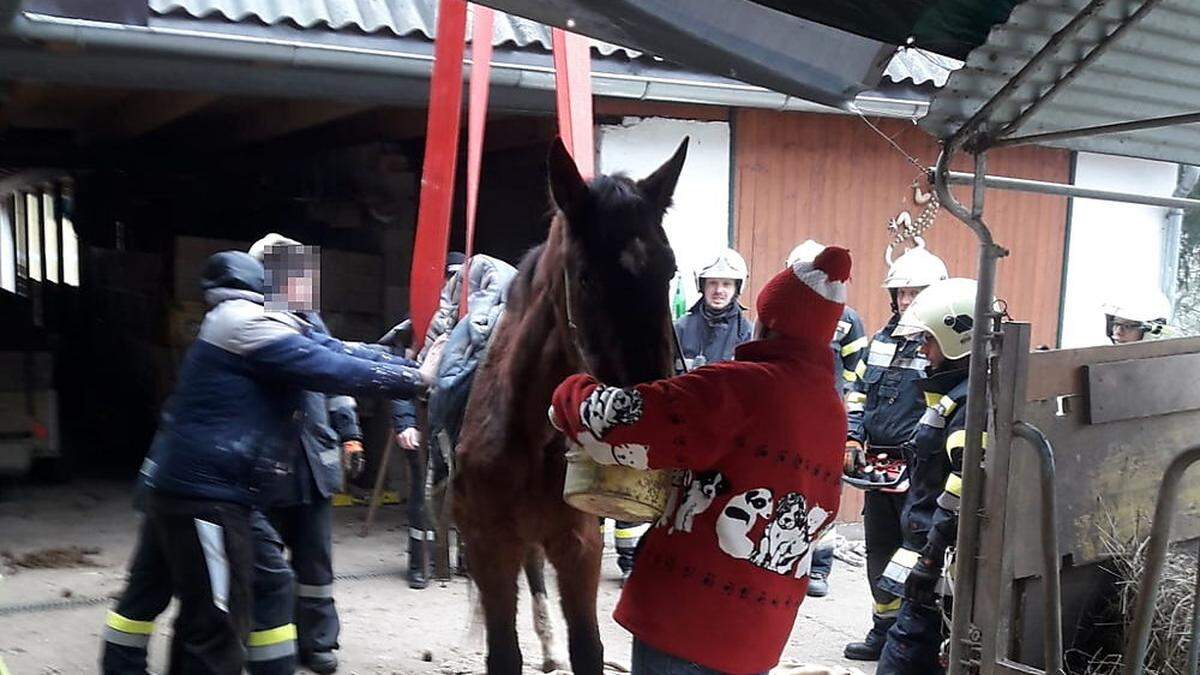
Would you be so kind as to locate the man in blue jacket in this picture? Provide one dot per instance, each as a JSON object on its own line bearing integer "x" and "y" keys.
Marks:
{"x": 302, "y": 513}
{"x": 222, "y": 446}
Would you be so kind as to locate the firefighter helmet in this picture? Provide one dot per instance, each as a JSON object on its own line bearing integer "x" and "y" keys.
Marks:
{"x": 917, "y": 268}
{"x": 729, "y": 264}
{"x": 805, "y": 252}
{"x": 944, "y": 310}
{"x": 1149, "y": 310}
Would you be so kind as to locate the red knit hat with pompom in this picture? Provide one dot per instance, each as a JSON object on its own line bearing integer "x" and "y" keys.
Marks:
{"x": 805, "y": 301}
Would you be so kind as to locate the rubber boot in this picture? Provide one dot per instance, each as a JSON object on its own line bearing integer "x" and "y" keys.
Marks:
{"x": 418, "y": 575}
{"x": 872, "y": 646}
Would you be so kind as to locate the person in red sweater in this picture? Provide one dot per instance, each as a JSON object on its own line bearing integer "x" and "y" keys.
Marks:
{"x": 721, "y": 576}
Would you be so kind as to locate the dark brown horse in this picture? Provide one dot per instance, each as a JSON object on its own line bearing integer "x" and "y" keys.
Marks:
{"x": 607, "y": 265}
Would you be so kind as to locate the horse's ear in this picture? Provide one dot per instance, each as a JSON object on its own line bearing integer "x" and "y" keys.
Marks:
{"x": 660, "y": 185}
{"x": 567, "y": 187}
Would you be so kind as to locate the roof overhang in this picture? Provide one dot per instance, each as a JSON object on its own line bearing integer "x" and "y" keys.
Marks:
{"x": 739, "y": 40}
{"x": 1115, "y": 77}
{"x": 249, "y": 58}
{"x": 825, "y": 51}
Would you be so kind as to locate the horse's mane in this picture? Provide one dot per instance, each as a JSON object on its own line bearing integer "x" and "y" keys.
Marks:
{"x": 521, "y": 290}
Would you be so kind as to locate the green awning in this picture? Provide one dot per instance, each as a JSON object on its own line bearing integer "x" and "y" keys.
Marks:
{"x": 948, "y": 27}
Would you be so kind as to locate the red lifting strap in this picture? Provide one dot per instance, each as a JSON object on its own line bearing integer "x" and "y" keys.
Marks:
{"x": 481, "y": 70}
{"x": 573, "y": 91}
{"x": 437, "y": 174}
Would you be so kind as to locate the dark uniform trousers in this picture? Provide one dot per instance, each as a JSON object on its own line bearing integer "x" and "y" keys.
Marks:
{"x": 881, "y": 528}
{"x": 307, "y": 530}
{"x": 914, "y": 642}
{"x": 929, "y": 521}
{"x": 225, "y": 564}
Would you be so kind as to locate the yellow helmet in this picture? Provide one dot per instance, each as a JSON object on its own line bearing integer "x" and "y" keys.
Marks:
{"x": 944, "y": 310}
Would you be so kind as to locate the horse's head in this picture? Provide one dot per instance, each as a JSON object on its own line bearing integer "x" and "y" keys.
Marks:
{"x": 618, "y": 266}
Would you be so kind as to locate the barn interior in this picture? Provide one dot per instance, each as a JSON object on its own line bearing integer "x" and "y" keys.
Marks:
{"x": 113, "y": 198}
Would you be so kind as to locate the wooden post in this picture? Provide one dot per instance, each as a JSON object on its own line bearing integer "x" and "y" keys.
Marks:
{"x": 377, "y": 491}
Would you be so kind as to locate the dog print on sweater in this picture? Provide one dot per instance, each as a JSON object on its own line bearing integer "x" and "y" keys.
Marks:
{"x": 787, "y": 538}
{"x": 701, "y": 491}
{"x": 739, "y": 517}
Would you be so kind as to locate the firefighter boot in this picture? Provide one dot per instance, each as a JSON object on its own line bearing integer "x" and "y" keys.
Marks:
{"x": 872, "y": 646}
{"x": 418, "y": 575}
{"x": 321, "y": 663}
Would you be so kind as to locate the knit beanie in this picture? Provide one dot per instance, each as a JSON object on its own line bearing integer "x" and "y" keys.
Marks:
{"x": 804, "y": 302}
{"x": 259, "y": 248}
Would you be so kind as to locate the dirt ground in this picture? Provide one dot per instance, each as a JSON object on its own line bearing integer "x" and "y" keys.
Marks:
{"x": 51, "y": 617}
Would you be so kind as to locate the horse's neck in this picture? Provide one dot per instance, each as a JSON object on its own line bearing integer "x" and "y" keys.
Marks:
{"x": 546, "y": 343}
{"x": 542, "y": 340}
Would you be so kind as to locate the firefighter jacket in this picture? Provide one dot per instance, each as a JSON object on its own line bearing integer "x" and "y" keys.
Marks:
{"x": 708, "y": 336}
{"x": 228, "y": 431}
{"x": 849, "y": 351}
{"x": 934, "y": 478}
{"x": 884, "y": 406}
{"x": 943, "y": 529}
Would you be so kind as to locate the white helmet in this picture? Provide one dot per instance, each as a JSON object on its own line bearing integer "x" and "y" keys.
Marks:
{"x": 805, "y": 252}
{"x": 729, "y": 264}
{"x": 258, "y": 249}
{"x": 1150, "y": 308}
{"x": 945, "y": 310}
{"x": 917, "y": 268}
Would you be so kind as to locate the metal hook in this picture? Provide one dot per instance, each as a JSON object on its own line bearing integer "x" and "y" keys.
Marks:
{"x": 917, "y": 240}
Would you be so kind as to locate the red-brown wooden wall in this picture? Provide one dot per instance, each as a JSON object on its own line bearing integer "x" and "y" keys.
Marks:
{"x": 833, "y": 179}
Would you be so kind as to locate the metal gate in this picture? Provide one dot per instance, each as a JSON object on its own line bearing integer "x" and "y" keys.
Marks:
{"x": 1081, "y": 440}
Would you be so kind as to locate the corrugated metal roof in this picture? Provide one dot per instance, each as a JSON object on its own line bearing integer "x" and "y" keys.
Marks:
{"x": 418, "y": 18}
{"x": 920, "y": 66}
{"x": 399, "y": 17}
{"x": 1151, "y": 70}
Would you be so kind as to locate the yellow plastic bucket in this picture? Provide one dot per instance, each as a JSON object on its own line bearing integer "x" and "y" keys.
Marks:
{"x": 613, "y": 491}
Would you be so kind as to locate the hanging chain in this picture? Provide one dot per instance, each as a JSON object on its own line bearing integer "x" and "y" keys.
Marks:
{"x": 904, "y": 228}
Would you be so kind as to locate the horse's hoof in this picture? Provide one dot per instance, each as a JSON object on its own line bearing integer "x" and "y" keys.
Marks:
{"x": 551, "y": 665}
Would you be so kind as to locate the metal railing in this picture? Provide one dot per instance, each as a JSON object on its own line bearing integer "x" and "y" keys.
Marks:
{"x": 1052, "y": 621}
{"x": 1160, "y": 538}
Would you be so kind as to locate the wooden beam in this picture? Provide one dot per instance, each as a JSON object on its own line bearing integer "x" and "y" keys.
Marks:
{"x": 141, "y": 113}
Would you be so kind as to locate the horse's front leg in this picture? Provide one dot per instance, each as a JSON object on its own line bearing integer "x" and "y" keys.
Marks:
{"x": 575, "y": 553}
{"x": 495, "y": 565}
